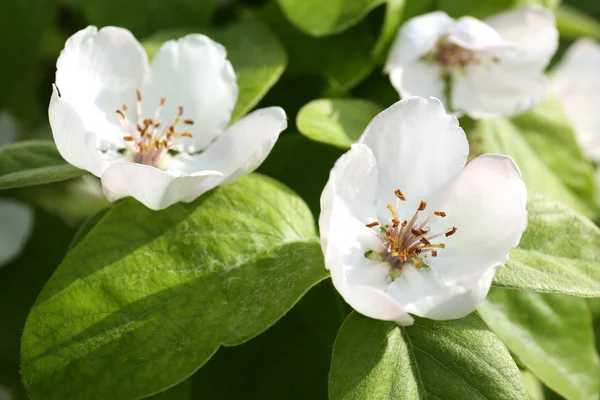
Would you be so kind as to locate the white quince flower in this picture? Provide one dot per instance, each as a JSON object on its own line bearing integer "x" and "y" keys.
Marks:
{"x": 482, "y": 68}
{"x": 406, "y": 228}
{"x": 576, "y": 85}
{"x": 155, "y": 132}
{"x": 16, "y": 218}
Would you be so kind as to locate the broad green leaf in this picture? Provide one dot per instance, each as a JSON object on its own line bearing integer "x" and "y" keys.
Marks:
{"x": 321, "y": 18}
{"x": 573, "y": 23}
{"x": 22, "y": 280}
{"x": 289, "y": 361}
{"x": 508, "y": 137}
{"x": 338, "y": 122}
{"x": 144, "y": 17}
{"x": 551, "y": 335}
{"x": 303, "y": 165}
{"x": 533, "y": 386}
{"x": 254, "y": 51}
{"x": 152, "y": 295}
{"x": 458, "y": 359}
{"x": 344, "y": 59}
{"x": 33, "y": 163}
{"x": 559, "y": 252}
{"x": 548, "y": 130}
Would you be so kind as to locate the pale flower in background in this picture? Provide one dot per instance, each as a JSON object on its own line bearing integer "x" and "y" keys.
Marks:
{"x": 484, "y": 68}
{"x": 576, "y": 85}
{"x": 406, "y": 228}
{"x": 157, "y": 132}
{"x": 16, "y": 218}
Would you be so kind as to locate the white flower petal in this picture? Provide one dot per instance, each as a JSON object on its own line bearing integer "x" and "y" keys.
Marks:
{"x": 473, "y": 34}
{"x": 8, "y": 128}
{"x": 416, "y": 38}
{"x": 154, "y": 188}
{"x": 15, "y": 229}
{"x": 419, "y": 149}
{"x": 238, "y": 151}
{"x": 193, "y": 72}
{"x": 531, "y": 30}
{"x": 421, "y": 292}
{"x": 576, "y": 84}
{"x": 487, "y": 205}
{"x": 496, "y": 87}
{"x": 74, "y": 142}
{"x": 419, "y": 78}
{"x": 352, "y": 184}
{"x": 97, "y": 72}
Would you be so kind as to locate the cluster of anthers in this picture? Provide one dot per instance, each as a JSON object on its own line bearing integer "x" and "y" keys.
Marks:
{"x": 449, "y": 54}
{"x": 149, "y": 137}
{"x": 408, "y": 240}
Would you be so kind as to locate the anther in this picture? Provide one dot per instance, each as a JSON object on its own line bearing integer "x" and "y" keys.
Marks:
{"x": 423, "y": 231}
{"x": 139, "y": 95}
{"x": 433, "y": 253}
{"x": 440, "y": 213}
{"x": 188, "y": 121}
{"x": 415, "y": 232}
{"x": 124, "y": 107}
{"x": 399, "y": 195}
{"x": 395, "y": 223}
{"x": 403, "y": 256}
{"x": 451, "y": 232}
{"x": 128, "y": 138}
{"x": 373, "y": 224}
{"x": 425, "y": 241}
{"x": 186, "y": 134}
{"x": 422, "y": 205}
{"x": 162, "y": 101}
{"x": 180, "y": 111}
{"x": 121, "y": 113}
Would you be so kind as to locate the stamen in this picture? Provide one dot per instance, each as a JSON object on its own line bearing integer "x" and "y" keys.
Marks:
{"x": 128, "y": 138}
{"x": 422, "y": 206}
{"x": 139, "y": 95}
{"x": 399, "y": 194}
{"x": 188, "y": 121}
{"x": 186, "y": 134}
{"x": 425, "y": 241}
{"x": 440, "y": 214}
{"x": 415, "y": 232}
{"x": 180, "y": 111}
{"x": 121, "y": 114}
{"x": 373, "y": 224}
{"x": 451, "y": 232}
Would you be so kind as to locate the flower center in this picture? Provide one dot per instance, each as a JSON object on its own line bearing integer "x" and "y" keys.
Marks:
{"x": 149, "y": 137}
{"x": 450, "y": 55}
{"x": 408, "y": 240}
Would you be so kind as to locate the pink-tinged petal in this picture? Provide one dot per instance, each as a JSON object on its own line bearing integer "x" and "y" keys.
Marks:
{"x": 417, "y": 37}
{"x": 487, "y": 205}
{"x": 192, "y": 72}
{"x": 154, "y": 188}
{"x": 473, "y": 34}
{"x": 576, "y": 85}
{"x": 418, "y": 148}
{"x": 531, "y": 30}
{"x": 97, "y": 72}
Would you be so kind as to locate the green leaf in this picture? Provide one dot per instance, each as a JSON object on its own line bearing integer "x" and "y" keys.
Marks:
{"x": 545, "y": 149}
{"x": 321, "y": 18}
{"x": 338, "y": 122}
{"x": 551, "y": 335}
{"x": 534, "y": 388}
{"x": 344, "y": 59}
{"x": 254, "y": 51}
{"x": 458, "y": 359}
{"x": 572, "y": 23}
{"x": 301, "y": 341}
{"x": 152, "y": 295}
{"x": 559, "y": 252}
{"x": 146, "y": 17}
{"x": 303, "y": 165}
{"x": 33, "y": 163}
